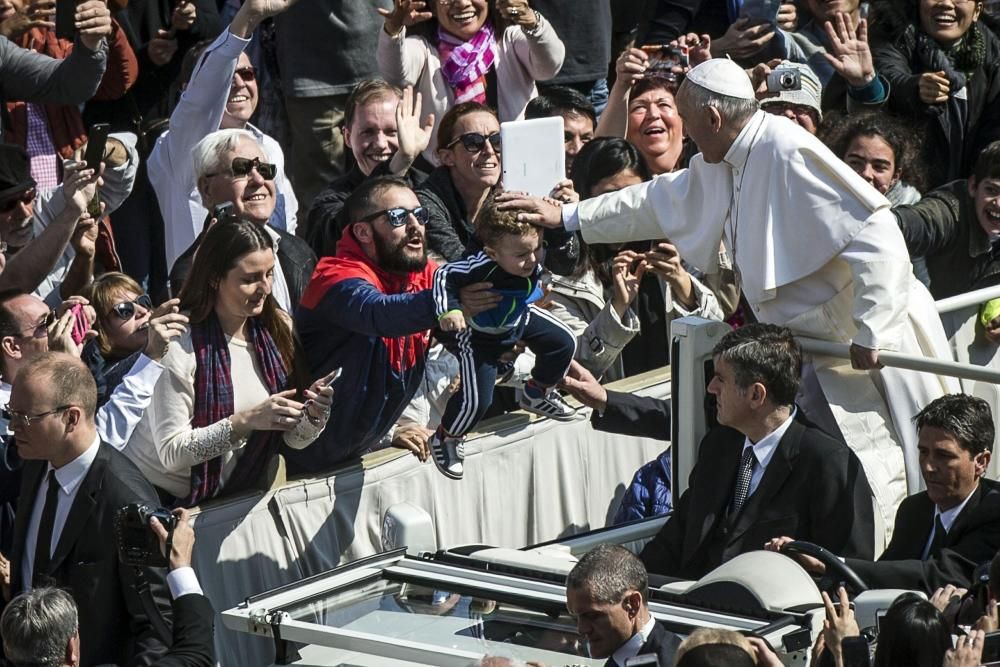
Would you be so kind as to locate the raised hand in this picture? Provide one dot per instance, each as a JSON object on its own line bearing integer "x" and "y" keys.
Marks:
{"x": 84, "y": 239}
{"x": 744, "y": 38}
{"x": 538, "y": 211}
{"x": 630, "y": 67}
{"x": 788, "y": 17}
{"x": 79, "y": 185}
{"x": 184, "y": 15}
{"x": 849, "y": 53}
{"x": 517, "y": 12}
{"x": 165, "y": 324}
{"x": 161, "y": 49}
{"x": 93, "y": 23}
{"x": 413, "y": 136}
{"x": 627, "y": 270}
{"x": 405, "y": 13}
{"x": 253, "y": 12}
{"x": 934, "y": 88}
{"x": 699, "y": 47}
{"x": 968, "y": 651}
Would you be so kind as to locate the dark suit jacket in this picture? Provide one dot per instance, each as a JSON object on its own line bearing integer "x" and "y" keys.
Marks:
{"x": 114, "y": 627}
{"x": 296, "y": 258}
{"x": 813, "y": 489}
{"x": 193, "y": 634}
{"x": 974, "y": 539}
{"x": 661, "y": 643}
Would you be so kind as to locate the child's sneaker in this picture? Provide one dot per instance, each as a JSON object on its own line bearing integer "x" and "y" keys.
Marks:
{"x": 545, "y": 402}
{"x": 448, "y": 454}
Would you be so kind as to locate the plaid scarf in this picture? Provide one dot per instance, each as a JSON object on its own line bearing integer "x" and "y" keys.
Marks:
{"x": 213, "y": 388}
{"x": 465, "y": 64}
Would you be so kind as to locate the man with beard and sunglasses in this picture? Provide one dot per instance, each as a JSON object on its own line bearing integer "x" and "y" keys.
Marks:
{"x": 368, "y": 310}
{"x": 230, "y": 167}
{"x": 221, "y": 94}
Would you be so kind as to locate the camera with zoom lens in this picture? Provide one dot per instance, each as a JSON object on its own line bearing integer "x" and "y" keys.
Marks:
{"x": 138, "y": 545}
{"x": 784, "y": 79}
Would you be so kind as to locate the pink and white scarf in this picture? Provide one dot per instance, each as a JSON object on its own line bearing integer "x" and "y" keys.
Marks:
{"x": 465, "y": 64}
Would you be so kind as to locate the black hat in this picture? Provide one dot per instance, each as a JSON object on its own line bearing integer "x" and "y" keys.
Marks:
{"x": 15, "y": 173}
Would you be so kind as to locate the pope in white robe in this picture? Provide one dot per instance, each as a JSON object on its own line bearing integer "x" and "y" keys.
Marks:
{"x": 817, "y": 250}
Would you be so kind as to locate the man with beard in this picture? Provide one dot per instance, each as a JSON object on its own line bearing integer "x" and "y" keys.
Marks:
{"x": 368, "y": 310}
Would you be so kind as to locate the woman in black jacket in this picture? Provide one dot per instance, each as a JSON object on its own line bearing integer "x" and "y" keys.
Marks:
{"x": 942, "y": 61}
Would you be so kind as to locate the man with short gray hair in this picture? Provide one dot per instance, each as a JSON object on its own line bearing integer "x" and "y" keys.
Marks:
{"x": 815, "y": 248}
{"x": 40, "y": 629}
{"x": 606, "y": 592}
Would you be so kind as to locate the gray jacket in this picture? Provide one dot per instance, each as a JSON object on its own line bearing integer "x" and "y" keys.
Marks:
{"x": 32, "y": 77}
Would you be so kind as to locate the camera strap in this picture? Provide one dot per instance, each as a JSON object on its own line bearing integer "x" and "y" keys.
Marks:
{"x": 160, "y": 626}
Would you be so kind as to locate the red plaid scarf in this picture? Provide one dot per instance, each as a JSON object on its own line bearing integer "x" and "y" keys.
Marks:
{"x": 213, "y": 390}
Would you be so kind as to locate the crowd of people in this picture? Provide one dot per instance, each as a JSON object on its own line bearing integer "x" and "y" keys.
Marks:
{"x": 295, "y": 242}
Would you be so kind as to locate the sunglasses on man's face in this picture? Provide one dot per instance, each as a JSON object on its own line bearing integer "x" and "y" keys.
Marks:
{"x": 25, "y": 197}
{"x": 126, "y": 309}
{"x": 399, "y": 216}
{"x": 242, "y": 166}
{"x": 474, "y": 142}
{"x": 247, "y": 73}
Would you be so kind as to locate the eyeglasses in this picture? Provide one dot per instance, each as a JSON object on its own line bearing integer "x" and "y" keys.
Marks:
{"x": 475, "y": 142}
{"x": 398, "y": 216}
{"x": 24, "y": 420}
{"x": 126, "y": 309}
{"x": 242, "y": 166}
{"x": 25, "y": 197}
{"x": 42, "y": 325}
{"x": 246, "y": 73}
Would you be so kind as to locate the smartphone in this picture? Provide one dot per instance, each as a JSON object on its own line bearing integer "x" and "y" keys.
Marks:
{"x": 761, "y": 11}
{"x": 325, "y": 382}
{"x": 66, "y": 19}
{"x": 223, "y": 211}
{"x": 991, "y": 648}
{"x": 97, "y": 140}
{"x": 855, "y": 652}
{"x": 81, "y": 325}
{"x": 663, "y": 59}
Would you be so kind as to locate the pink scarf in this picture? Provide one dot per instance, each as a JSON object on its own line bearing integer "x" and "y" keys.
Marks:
{"x": 465, "y": 64}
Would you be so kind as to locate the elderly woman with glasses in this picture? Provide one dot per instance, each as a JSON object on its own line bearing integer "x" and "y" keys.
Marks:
{"x": 942, "y": 60}
{"x": 232, "y": 391}
{"x": 231, "y": 167}
{"x": 455, "y": 51}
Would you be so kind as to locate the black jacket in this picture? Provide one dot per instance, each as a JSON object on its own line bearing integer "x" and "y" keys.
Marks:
{"x": 114, "y": 627}
{"x": 813, "y": 489}
{"x": 899, "y": 61}
{"x": 661, "y": 643}
{"x": 194, "y": 634}
{"x": 943, "y": 228}
{"x": 451, "y": 234}
{"x": 296, "y": 259}
{"x": 665, "y": 20}
{"x": 974, "y": 539}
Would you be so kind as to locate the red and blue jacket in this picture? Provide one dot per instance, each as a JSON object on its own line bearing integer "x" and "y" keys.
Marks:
{"x": 375, "y": 325}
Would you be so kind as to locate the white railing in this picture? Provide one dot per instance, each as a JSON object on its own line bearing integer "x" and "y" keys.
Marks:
{"x": 960, "y": 301}
{"x": 907, "y": 361}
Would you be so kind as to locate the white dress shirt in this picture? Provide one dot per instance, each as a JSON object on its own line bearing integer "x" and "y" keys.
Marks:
{"x": 763, "y": 451}
{"x": 183, "y": 581}
{"x": 69, "y": 477}
{"x": 198, "y": 114}
{"x": 631, "y": 648}
{"x": 947, "y": 520}
{"x": 116, "y": 419}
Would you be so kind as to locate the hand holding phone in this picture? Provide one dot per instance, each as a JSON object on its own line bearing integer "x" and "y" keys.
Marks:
{"x": 97, "y": 140}
{"x": 319, "y": 385}
{"x": 81, "y": 323}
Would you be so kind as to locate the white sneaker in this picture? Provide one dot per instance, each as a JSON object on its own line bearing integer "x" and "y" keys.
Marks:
{"x": 448, "y": 454}
{"x": 551, "y": 405}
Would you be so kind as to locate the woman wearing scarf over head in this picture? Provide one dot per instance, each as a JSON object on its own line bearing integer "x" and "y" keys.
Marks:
{"x": 454, "y": 51}
{"x": 942, "y": 61}
{"x": 230, "y": 394}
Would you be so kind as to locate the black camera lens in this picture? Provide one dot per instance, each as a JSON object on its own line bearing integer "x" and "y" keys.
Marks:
{"x": 787, "y": 80}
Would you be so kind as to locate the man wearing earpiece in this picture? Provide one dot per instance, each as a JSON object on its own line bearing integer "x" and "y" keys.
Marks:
{"x": 607, "y": 593}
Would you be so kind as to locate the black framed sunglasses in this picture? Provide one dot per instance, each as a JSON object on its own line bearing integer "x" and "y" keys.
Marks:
{"x": 475, "y": 142}
{"x": 126, "y": 309}
{"x": 242, "y": 166}
{"x": 247, "y": 73}
{"x": 25, "y": 197}
{"x": 42, "y": 326}
{"x": 398, "y": 215}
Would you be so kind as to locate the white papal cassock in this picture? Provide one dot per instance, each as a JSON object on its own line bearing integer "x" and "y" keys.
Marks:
{"x": 816, "y": 249}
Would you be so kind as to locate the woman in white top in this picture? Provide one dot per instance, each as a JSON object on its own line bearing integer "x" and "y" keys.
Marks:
{"x": 228, "y": 398}
{"x": 454, "y": 51}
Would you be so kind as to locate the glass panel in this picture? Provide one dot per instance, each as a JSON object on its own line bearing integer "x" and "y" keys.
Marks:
{"x": 395, "y": 610}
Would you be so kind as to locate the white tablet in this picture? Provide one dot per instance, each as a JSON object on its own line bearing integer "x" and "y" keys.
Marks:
{"x": 534, "y": 155}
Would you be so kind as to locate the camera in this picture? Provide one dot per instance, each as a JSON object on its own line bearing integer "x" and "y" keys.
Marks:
{"x": 784, "y": 79}
{"x": 138, "y": 545}
{"x": 663, "y": 59}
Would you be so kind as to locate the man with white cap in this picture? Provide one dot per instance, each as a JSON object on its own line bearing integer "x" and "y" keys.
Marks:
{"x": 800, "y": 105}
{"x": 815, "y": 247}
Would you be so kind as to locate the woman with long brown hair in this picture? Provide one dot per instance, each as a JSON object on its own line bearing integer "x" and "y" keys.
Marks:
{"x": 228, "y": 399}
